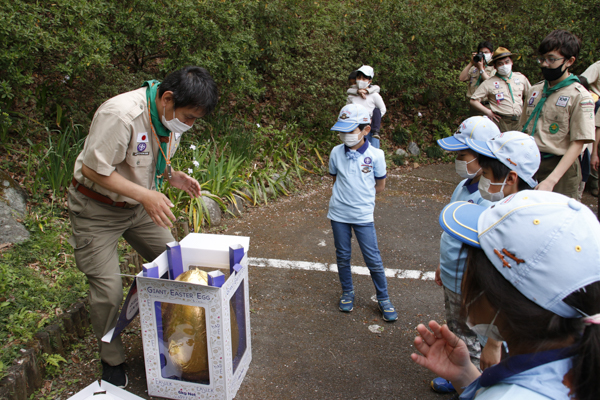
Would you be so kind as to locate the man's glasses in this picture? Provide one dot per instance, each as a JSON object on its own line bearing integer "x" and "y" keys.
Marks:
{"x": 549, "y": 60}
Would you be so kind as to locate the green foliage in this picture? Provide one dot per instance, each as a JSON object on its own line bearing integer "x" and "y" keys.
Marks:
{"x": 434, "y": 152}
{"x": 52, "y": 363}
{"x": 398, "y": 159}
{"x": 401, "y": 135}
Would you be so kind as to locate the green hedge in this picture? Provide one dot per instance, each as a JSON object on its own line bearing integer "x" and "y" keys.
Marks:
{"x": 285, "y": 59}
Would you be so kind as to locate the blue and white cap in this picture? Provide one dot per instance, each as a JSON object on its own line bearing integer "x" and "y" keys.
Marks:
{"x": 350, "y": 117}
{"x": 480, "y": 128}
{"x": 545, "y": 244}
{"x": 514, "y": 149}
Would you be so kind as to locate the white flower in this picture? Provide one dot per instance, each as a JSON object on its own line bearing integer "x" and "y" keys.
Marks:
{"x": 196, "y": 163}
{"x": 192, "y": 147}
{"x": 258, "y": 125}
{"x": 420, "y": 115}
{"x": 190, "y": 171}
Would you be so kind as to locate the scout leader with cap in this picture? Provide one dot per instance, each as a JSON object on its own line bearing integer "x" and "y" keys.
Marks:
{"x": 504, "y": 92}
{"x": 533, "y": 280}
{"x": 116, "y": 189}
{"x": 559, "y": 114}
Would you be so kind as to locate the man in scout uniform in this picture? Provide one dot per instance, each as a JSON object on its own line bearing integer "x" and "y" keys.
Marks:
{"x": 559, "y": 114}
{"x": 504, "y": 92}
{"x": 476, "y": 72}
{"x": 592, "y": 74}
{"x": 115, "y": 190}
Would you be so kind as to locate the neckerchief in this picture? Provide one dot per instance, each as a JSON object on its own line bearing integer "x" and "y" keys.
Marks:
{"x": 159, "y": 128}
{"x": 545, "y": 94}
{"x": 508, "y": 371}
{"x": 509, "y": 88}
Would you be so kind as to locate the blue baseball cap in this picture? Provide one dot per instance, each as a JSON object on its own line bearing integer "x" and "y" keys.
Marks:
{"x": 514, "y": 149}
{"x": 350, "y": 117}
{"x": 480, "y": 128}
{"x": 545, "y": 244}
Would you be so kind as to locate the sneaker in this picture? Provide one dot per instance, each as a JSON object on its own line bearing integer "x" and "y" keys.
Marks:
{"x": 347, "y": 301}
{"x": 115, "y": 375}
{"x": 594, "y": 192}
{"x": 376, "y": 136}
{"x": 441, "y": 385}
{"x": 388, "y": 311}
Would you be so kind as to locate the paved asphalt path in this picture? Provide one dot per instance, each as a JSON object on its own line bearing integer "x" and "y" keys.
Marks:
{"x": 302, "y": 346}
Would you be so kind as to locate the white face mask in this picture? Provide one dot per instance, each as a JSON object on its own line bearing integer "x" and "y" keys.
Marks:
{"x": 362, "y": 84}
{"x": 174, "y": 125}
{"x": 488, "y": 57}
{"x": 488, "y": 330}
{"x": 484, "y": 186}
{"x": 350, "y": 139}
{"x": 462, "y": 170}
{"x": 505, "y": 69}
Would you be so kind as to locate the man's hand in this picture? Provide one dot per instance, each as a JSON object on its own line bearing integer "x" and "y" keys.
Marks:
{"x": 595, "y": 161}
{"x": 479, "y": 65}
{"x": 490, "y": 114}
{"x": 158, "y": 206}
{"x": 438, "y": 278}
{"x": 545, "y": 185}
{"x": 182, "y": 181}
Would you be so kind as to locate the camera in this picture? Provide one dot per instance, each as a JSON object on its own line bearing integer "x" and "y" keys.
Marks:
{"x": 478, "y": 57}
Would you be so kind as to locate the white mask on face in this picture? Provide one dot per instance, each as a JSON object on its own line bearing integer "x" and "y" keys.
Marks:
{"x": 488, "y": 330}
{"x": 484, "y": 186}
{"x": 488, "y": 57}
{"x": 505, "y": 69}
{"x": 350, "y": 139}
{"x": 362, "y": 84}
{"x": 174, "y": 125}
{"x": 462, "y": 171}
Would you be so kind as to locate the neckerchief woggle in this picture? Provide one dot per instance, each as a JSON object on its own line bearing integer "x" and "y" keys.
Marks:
{"x": 545, "y": 94}
{"x": 160, "y": 130}
{"x": 509, "y": 88}
{"x": 524, "y": 370}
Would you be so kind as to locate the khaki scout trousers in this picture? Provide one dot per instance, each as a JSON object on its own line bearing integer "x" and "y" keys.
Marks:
{"x": 97, "y": 228}
{"x": 508, "y": 124}
{"x": 569, "y": 183}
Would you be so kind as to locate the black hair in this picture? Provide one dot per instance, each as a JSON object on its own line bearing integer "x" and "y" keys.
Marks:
{"x": 562, "y": 41}
{"x": 532, "y": 326}
{"x": 360, "y": 74}
{"x": 485, "y": 44}
{"x": 363, "y": 126}
{"x": 191, "y": 86}
{"x": 352, "y": 75}
{"x": 500, "y": 171}
{"x": 584, "y": 82}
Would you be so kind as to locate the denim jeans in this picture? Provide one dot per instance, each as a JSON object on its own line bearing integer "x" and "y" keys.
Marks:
{"x": 367, "y": 240}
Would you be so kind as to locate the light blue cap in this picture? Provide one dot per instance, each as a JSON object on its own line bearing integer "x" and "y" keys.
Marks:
{"x": 480, "y": 128}
{"x": 514, "y": 149}
{"x": 545, "y": 244}
{"x": 350, "y": 117}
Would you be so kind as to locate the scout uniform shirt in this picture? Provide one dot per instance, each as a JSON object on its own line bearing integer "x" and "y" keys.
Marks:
{"x": 353, "y": 195}
{"x": 567, "y": 115}
{"x": 496, "y": 91}
{"x": 121, "y": 139}
{"x": 592, "y": 74}
{"x": 474, "y": 77}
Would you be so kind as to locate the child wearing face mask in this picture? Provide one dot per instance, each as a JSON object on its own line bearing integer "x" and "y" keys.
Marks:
{"x": 359, "y": 173}
{"x": 452, "y": 259}
{"x": 503, "y": 92}
{"x": 368, "y": 96}
{"x": 508, "y": 163}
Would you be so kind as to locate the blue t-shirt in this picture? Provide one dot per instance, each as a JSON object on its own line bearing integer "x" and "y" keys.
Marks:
{"x": 353, "y": 196}
{"x": 452, "y": 260}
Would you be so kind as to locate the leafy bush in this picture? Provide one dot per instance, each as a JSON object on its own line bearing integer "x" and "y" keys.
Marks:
{"x": 434, "y": 152}
{"x": 398, "y": 159}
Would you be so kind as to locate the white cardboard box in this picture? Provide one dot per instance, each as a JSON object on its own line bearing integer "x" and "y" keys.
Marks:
{"x": 226, "y": 370}
{"x": 103, "y": 391}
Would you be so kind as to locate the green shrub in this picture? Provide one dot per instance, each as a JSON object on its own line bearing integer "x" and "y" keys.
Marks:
{"x": 398, "y": 159}
{"x": 434, "y": 151}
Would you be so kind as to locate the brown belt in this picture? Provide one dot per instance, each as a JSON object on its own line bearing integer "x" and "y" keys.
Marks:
{"x": 99, "y": 197}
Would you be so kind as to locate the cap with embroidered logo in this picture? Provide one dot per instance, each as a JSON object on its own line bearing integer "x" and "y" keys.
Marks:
{"x": 351, "y": 116}
{"x": 514, "y": 149}
{"x": 480, "y": 128}
{"x": 545, "y": 244}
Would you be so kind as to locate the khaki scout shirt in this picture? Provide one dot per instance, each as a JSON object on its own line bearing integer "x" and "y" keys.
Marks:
{"x": 474, "y": 76}
{"x": 120, "y": 139}
{"x": 592, "y": 74}
{"x": 567, "y": 115}
{"x": 496, "y": 91}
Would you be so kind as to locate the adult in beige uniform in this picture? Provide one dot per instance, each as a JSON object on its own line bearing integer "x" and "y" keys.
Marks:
{"x": 592, "y": 74}
{"x": 503, "y": 92}
{"x": 478, "y": 71}
{"x": 559, "y": 115}
{"x": 115, "y": 189}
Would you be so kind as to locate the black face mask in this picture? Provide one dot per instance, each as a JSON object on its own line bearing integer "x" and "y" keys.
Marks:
{"x": 552, "y": 74}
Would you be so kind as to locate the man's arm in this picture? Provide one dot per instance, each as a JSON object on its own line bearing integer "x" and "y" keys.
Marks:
{"x": 565, "y": 162}
{"x": 595, "y": 161}
{"x": 156, "y": 204}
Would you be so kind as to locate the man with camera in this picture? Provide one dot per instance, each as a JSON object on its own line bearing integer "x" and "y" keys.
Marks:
{"x": 503, "y": 92}
{"x": 476, "y": 71}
